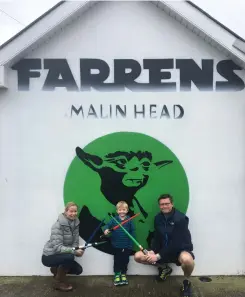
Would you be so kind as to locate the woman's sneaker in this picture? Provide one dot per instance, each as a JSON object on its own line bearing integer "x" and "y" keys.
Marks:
{"x": 124, "y": 279}
{"x": 164, "y": 273}
{"x": 117, "y": 279}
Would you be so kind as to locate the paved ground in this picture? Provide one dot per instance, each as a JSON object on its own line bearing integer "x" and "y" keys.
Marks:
{"x": 139, "y": 286}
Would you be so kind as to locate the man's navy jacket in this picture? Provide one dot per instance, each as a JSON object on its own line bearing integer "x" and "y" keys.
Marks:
{"x": 171, "y": 236}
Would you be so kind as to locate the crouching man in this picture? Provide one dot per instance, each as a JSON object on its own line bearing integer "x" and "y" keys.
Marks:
{"x": 171, "y": 243}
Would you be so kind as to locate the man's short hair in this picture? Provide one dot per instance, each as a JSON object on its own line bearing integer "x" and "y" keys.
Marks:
{"x": 166, "y": 196}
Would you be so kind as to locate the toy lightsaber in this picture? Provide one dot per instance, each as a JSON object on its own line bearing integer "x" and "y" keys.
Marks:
{"x": 123, "y": 222}
{"x": 145, "y": 252}
{"x": 96, "y": 229}
{"x": 83, "y": 247}
{"x": 129, "y": 235}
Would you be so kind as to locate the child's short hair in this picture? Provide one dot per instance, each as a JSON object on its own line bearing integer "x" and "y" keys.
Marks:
{"x": 121, "y": 204}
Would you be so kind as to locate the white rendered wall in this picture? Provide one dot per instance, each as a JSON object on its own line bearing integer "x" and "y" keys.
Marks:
{"x": 38, "y": 137}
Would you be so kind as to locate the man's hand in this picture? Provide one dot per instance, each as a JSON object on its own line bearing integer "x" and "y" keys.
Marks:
{"x": 79, "y": 253}
{"x": 107, "y": 231}
{"x": 151, "y": 257}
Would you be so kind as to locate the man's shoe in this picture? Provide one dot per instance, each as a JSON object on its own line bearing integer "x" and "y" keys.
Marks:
{"x": 164, "y": 273}
{"x": 117, "y": 279}
{"x": 124, "y": 279}
{"x": 186, "y": 289}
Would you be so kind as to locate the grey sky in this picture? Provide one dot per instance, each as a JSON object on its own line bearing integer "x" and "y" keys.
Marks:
{"x": 25, "y": 11}
{"x": 230, "y": 13}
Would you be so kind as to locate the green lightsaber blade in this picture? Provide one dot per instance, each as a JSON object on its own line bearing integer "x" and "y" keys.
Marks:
{"x": 129, "y": 235}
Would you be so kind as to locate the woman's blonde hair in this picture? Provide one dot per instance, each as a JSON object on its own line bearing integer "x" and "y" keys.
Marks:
{"x": 121, "y": 204}
{"x": 70, "y": 204}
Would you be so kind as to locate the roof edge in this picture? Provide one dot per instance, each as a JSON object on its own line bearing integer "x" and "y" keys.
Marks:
{"x": 31, "y": 24}
{"x": 2, "y": 78}
{"x": 240, "y": 45}
{"x": 214, "y": 20}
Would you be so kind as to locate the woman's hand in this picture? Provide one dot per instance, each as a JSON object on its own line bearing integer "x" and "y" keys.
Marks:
{"x": 79, "y": 253}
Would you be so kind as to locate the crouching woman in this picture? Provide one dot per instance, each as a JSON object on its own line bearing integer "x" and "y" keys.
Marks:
{"x": 58, "y": 253}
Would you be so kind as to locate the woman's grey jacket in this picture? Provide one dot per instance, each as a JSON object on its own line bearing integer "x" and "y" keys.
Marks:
{"x": 64, "y": 236}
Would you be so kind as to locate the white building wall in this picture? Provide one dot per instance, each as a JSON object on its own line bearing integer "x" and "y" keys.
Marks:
{"x": 38, "y": 139}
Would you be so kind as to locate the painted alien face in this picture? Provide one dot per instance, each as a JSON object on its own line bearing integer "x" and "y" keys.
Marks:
{"x": 135, "y": 168}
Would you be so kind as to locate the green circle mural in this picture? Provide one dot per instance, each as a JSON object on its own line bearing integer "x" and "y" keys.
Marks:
{"x": 127, "y": 166}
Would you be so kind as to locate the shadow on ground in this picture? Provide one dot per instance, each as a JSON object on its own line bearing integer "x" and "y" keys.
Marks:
{"x": 139, "y": 286}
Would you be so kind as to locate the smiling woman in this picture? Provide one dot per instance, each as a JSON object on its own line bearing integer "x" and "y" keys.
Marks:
{"x": 58, "y": 252}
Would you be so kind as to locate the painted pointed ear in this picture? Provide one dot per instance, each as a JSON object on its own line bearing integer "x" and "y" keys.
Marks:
{"x": 92, "y": 161}
{"x": 160, "y": 164}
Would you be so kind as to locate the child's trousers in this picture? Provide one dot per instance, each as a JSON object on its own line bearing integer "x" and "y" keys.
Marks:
{"x": 121, "y": 260}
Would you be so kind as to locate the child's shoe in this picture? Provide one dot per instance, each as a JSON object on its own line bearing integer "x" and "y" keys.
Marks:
{"x": 124, "y": 279}
{"x": 117, "y": 279}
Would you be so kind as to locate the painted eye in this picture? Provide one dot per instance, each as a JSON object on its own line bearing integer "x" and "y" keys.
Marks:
{"x": 121, "y": 162}
{"x": 146, "y": 165}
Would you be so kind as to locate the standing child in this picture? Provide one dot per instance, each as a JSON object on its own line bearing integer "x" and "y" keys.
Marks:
{"x": 121, "y": 243}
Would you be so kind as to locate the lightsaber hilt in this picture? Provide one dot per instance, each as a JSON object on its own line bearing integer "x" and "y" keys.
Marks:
{"x": 84, "y": 247}
{"x": 103, "y": 236}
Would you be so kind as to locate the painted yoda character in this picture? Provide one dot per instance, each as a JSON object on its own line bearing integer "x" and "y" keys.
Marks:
{"x": 122, "y": 174}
